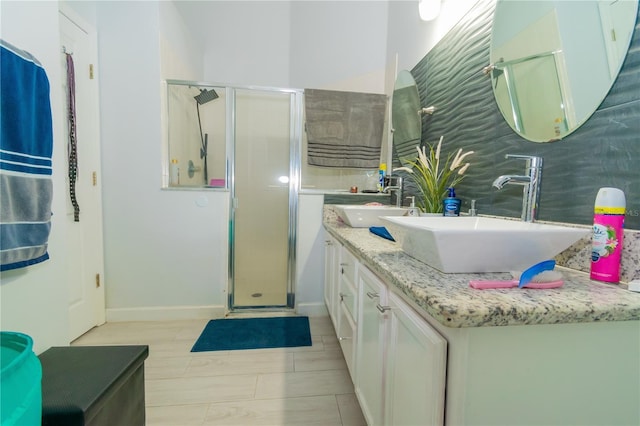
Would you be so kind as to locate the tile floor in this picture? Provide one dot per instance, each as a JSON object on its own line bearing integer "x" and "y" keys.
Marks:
{"x": 288, "y": 386}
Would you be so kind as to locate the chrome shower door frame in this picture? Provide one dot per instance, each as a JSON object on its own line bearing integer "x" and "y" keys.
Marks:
{"x": 295, "y": 143}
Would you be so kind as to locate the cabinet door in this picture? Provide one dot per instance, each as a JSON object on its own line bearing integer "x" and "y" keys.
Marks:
{"x": 331, "y": 248}
{"x": 347, "y": 299}
{"x": 415, "y": 370}
{"x": 347, "y": 283}
{"x": 370, "y": 346}
{"x": 347, "y": 338}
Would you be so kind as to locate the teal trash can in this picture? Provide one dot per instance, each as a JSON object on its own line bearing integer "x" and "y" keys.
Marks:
{"x": 20, "y": 381}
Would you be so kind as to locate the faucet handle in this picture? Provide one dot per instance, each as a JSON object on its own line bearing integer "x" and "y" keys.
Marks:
{"x": 397, "y": 180}
{"x": 532, "y": 160}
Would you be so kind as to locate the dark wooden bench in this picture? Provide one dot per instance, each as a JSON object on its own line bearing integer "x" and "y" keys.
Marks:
{"x": 93, "y": 385}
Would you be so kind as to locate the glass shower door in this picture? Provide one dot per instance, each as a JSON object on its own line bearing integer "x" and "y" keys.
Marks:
{"x": 263, "y": 209}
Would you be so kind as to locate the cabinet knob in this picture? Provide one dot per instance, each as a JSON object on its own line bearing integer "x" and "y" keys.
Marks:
{"x": 372, "y": 295}
{"x": 342, "y": 296}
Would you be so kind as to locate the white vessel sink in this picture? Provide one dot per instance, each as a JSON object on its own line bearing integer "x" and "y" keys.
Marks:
{"x": 363, "y": 216}
{"x": 479, "y": 244}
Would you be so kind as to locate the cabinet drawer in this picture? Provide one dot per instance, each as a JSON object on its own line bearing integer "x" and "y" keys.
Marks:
{"x": 348, "y": 297}
{"x": 347, "y": 339}
{"x": 348, "y": 264}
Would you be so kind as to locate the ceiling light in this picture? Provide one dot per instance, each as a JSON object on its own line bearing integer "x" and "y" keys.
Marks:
{"x": 429, "y": 9}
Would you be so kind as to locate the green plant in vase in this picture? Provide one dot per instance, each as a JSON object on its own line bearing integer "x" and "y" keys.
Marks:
{"x": 433, "y": 177}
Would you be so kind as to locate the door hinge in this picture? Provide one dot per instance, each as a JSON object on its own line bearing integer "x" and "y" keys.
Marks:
{"x": 94, "y": 178}
{"x": 97, "y": 280}
{"x": 90, "y": 71}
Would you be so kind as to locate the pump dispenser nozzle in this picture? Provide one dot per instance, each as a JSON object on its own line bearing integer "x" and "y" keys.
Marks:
{"x": 472, "y": 210}
{"x": 413, "y": 210}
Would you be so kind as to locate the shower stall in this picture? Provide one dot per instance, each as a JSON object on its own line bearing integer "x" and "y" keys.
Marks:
{"x": 264, "y": 194}
{"x": 262, "y": 129}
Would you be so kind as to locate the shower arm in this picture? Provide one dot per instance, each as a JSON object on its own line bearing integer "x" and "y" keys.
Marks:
{"x": 204, "y": 146}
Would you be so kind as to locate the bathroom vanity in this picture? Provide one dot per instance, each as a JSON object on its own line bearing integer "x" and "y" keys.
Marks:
{"x": 424, "y": 348}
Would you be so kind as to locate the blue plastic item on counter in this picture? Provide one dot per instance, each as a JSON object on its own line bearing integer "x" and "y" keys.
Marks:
{"x": 451, "y": 204}
{"x": 531, "y": 272}
{"x": 20, "y": 380}
{"x": 381, "y": 231}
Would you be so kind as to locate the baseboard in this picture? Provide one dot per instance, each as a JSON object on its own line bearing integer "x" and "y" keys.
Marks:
{"x": 165, "y": 313}
{"x": 312, "y": 309}
{"x": 172, "y": 313}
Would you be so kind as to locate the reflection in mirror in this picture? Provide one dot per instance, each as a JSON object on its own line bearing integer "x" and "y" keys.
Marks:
{"x": 405, "y": 118}
{"x": 196, "y": 134}
{"x": 553, "y": 62}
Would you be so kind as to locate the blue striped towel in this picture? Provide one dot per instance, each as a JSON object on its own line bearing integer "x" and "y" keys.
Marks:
{"x": 26, "y": 147}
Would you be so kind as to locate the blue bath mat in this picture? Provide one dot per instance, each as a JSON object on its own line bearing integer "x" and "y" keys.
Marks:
{"x": 253, "y": 333}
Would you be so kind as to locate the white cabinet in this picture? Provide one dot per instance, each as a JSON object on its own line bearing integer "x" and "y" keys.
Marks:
{"x": 401, "y": 360}
{"x": 415, "y": 368}
{"x": 396, "y": 359}
{"x": 347, "y": 301}
{"x": 552, "y": 374}
{"x": 340, "y": 295}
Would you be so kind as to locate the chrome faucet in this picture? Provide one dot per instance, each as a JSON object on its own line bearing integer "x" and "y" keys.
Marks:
{"x": 531, "y": 182}
{"x": 397, "y": 188}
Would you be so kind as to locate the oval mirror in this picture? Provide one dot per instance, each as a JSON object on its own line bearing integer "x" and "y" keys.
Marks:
{"x": 553, "y": 62}
{"x": 405, "y": 118}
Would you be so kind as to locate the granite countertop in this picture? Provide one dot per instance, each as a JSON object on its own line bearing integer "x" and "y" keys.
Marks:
{"x": 448, "y": 298}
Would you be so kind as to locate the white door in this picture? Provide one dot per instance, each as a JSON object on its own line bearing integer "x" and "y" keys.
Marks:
{"x": 331, "y": 247}
{"x": 371, "y": 341}
{"x": 617, "y": 18}
{"x": 84, "y": 237}
{"x": 413, "y": 395}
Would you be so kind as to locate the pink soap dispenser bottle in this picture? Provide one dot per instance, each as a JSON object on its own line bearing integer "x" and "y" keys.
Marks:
{"x": 608, "y": 233}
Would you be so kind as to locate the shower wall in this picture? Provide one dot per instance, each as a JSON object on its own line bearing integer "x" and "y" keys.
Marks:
{"x": 184, "y": 140}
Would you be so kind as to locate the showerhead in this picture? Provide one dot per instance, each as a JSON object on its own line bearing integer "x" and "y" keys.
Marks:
{"x": 205, "y": 96}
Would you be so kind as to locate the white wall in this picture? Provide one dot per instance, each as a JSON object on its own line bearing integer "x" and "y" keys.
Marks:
{"x": 165, "y": 255}
{"x": 34, "y": 300}
{"x": 165, "y": 251}
{"x": 182, "y": 55}
{"x": 310, "y": 256}
{"x": 338, "y": 45}
{"x": 411, "y": 38}
{"x": 320, "y": 44}
{"x": 245, "y": 42}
